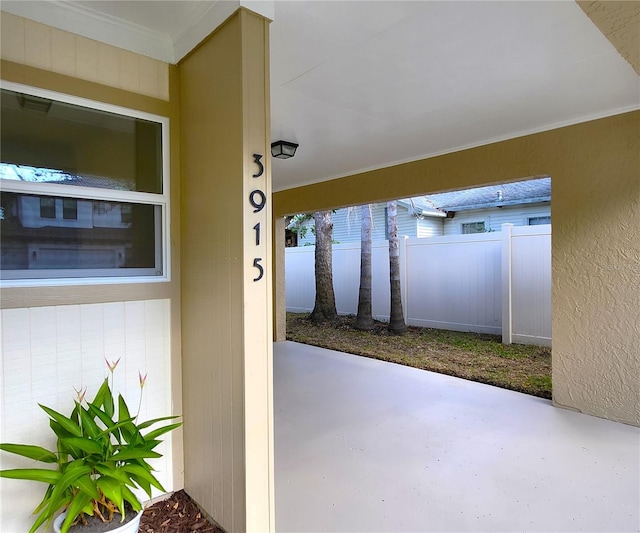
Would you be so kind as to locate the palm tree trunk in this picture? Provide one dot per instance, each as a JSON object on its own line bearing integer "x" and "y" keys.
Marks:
{"x": 396, "y": 317}
{"x": 364, "y": 320}
{"x": 324, "y": 309}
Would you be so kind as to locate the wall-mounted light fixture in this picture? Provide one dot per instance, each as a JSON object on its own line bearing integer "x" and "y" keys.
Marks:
{"x": 283, "y": 149}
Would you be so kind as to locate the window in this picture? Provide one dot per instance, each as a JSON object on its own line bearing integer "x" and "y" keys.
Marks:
{"x": 70, "y": 209}
{"x": 472, "y": 227}
{"x": 84, "y": 189}
{"x": 126, "y": 213}
{"x": 537, "y": 221}
{"x": 47, "y": 207}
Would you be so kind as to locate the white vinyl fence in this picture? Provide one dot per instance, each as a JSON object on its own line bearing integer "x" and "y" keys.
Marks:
{"x": 498, "y": 283}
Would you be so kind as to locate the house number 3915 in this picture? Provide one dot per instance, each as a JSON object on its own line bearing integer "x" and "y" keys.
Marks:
{"x": 258, "y": 200}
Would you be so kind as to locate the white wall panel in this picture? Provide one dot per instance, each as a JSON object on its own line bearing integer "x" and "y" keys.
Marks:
{"x": 46, "y": 352}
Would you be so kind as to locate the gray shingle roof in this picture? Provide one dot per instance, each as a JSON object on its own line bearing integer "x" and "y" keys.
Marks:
{"x": 514, "y": 193}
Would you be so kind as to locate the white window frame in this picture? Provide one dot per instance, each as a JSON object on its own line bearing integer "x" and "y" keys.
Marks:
{"x": 106, "y": 276}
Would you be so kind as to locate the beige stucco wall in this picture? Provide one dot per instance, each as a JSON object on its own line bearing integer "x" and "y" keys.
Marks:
{"x": 226, "y": 315}
{"x": 80, "y": 326}
{"x": 595, "y": 171}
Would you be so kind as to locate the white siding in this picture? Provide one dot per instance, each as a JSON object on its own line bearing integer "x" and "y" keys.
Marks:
{"x": 494, "y": 218}
{"x": 430, "y": 227}
{"x": 346, "y": 225}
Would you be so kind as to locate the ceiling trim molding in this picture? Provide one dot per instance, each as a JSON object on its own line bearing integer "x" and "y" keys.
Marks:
{"x": 202, "y": 24}
{"x": 92, "y": 25}
{"x": 121, "y": 33}
{"x": 201, "y": 27}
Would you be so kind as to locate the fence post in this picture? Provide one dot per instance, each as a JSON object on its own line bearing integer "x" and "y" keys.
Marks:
{"x": 404, "y": 293}
{"x": 507, "y": 311}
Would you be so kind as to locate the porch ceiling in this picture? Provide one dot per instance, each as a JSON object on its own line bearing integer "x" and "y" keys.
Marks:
{"x": 366, "y": 84}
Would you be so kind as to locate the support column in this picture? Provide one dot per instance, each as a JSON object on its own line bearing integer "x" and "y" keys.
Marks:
{"x": 226, "y": 274}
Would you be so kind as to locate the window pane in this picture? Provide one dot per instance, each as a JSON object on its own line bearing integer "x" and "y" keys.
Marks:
{"x": 537, "y": 221}
{"x": 472, "y": 227}
{"x": 70, "y": 209}
{"x": 47, "y": 208}
{"x": 49, "y": 141}
{"x": 102, "y": 235}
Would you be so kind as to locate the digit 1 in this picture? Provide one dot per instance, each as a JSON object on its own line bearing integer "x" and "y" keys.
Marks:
{"x": 257, "y": 228}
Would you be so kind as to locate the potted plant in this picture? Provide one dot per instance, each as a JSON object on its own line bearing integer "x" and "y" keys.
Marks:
{"x": 102, "y": 453}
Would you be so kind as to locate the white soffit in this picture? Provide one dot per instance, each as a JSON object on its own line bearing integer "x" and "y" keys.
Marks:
{"x": 364, "y": 85}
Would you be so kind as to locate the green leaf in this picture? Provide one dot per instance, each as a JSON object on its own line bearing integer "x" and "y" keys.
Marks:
{"x": 31, "y": 452}
{"x": 68, "y": 424}
{"x": 104, "y": 398}
{"x": 65, "y": 484}
{"x": 110, "y": 471}
{"x": 139, "y": 471}
{"x": 148, "y": 423}
{"x": 113, "y": 429}
{"x": 99, "y": 413}
{"x": 144, "y": 485}
{"x": 45, "y": 499}
{"x": 128, "y": 430}
{"x": 88, "y": 424}
{"x": 78, "y": 503}
{"x": 131, "y": 498}
{"x": 48, "y": 515}
{"x": 33, "y": 474}
{"x": 84, "y": 444}
{"x": 161, "y": 431}
{"x": 88, "y": 486}
{"x": 134, "y": 453}
{"x": 123, "y": 410}
{"x": 112, "y": 489}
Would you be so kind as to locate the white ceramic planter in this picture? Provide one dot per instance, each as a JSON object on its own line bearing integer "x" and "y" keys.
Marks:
{"x": 131, "y": 526}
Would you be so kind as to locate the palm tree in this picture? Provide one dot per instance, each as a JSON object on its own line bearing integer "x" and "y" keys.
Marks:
{"x": 324, "y": 309}
{"x": 364, "y": 320}
{"x": 397, "y": 324}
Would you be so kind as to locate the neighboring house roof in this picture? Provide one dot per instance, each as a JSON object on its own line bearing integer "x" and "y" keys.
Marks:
{"x": 514, "y": 193}
{"x": 12, "y": 171}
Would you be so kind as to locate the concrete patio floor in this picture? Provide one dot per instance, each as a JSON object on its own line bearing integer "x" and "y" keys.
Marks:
{"x": 364, "y": 445}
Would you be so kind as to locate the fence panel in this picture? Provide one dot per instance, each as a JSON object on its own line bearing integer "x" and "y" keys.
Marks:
{"x": 531, "y": 284}
{"x": 346, "y": 277}
{"x": 483, "y": 283}
{"x": 454, "y": 283}
{"x": 300, "y": 282}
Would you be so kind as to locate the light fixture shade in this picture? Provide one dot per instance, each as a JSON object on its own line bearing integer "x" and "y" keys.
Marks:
{"x": 283, "y": 149}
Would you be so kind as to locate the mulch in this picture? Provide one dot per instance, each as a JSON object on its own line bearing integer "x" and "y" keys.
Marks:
{"x": 176, "y": 514}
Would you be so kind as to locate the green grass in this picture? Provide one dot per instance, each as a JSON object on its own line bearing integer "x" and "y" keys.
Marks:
{"x": 472, "y": 356}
